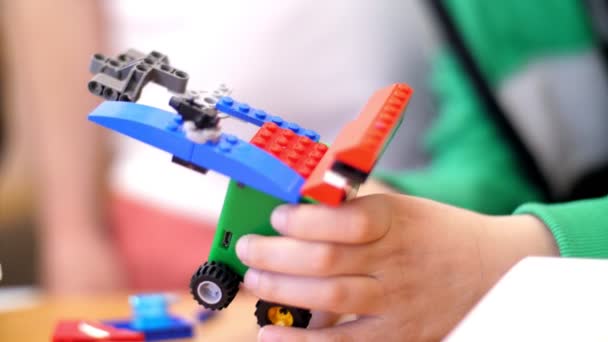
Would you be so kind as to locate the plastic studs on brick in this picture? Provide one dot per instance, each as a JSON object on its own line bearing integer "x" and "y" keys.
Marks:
{"x": 259, "y": 117}
{"x": 362, "y": 142}
{"x": 298, "y": 152}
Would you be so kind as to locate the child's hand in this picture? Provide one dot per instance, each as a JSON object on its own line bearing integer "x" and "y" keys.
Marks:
{"x": 371, "y": 187}
{"x": 409, "y": 268}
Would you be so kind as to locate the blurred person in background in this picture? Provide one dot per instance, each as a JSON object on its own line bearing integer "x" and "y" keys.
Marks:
{"x": 46, "y": 46}
{"x": 139, "y": 220}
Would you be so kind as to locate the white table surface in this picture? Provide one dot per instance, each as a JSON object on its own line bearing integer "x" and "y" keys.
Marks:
{"x": 542, "y": 299}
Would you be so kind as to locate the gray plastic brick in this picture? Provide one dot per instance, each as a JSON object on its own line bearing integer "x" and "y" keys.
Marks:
{"x": 124, "y": 77}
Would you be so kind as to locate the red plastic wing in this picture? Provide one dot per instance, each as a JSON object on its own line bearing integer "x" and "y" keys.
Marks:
{"x": 360, "y": 144}
{"x": 362, "y": 141}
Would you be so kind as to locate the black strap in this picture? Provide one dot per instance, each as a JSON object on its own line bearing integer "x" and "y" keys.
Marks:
{"x": 591, "y": 185}
{"x": 598, "y": 11}
{"x": 486, "y": 95}
{"x": 595, "y": 183}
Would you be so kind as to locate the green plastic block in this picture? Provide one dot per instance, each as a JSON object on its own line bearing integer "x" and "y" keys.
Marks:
{"x": 245, "y": 211}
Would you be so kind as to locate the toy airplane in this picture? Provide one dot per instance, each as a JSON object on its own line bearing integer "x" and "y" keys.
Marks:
{"x": 283, "y": 162}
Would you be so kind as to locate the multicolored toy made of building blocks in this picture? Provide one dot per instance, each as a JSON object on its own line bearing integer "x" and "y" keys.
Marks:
{"x": 283, "y": 162}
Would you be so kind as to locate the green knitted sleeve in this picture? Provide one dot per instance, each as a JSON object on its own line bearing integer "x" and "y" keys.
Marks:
{"x": 580, "y": 228}
{"x": 472, "y": 166}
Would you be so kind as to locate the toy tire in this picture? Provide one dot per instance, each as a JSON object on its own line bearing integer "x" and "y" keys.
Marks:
{"x": 268, "y": 313}
{"x": 214, "y": 285}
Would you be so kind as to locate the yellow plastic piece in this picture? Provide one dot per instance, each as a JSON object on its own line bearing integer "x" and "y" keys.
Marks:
{"x": 281, "y": 316}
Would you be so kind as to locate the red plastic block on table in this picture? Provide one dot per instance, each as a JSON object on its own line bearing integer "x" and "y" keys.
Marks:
{"x": 86, "y": 331}
{"x": 298, "y": 152}
{"x": 362, "y": 141}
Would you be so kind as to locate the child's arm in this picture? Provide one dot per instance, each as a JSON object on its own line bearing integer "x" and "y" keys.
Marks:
{"x": 580, "y": 228}
{"x": 474, "y": 168}
{"x": 410, "y": 268}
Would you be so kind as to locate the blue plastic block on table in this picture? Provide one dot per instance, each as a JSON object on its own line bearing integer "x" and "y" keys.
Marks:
{"x": 204, "y": 315}
{"x": 259, "y": 117}
{"x": 230, "y": 155}
{"x": 151, "y": 317}
{"x": 179, "y": 328}
{"x": 150, "y": 310}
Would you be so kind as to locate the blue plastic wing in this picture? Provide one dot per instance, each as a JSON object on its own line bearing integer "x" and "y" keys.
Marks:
{"x": 230, "y": 156}
{"x": 258, "y": 117}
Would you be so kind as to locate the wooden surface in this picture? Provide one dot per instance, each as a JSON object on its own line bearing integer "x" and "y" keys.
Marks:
{"x": 36, "y": 323}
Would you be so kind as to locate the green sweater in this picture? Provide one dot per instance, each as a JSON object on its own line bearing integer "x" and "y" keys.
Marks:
{"x": 472, "y": 165}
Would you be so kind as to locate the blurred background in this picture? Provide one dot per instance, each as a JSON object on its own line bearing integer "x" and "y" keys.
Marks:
{"x": 86, "y": 211}
{"x": 17, "y": 238}
{"x": 80, "y": 208}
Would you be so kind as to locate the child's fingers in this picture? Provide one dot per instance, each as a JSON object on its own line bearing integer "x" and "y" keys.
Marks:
{"x": 322, "y": 319}
{"x": 359, "y": 221}
{"x": 363, "y": 329}
{"x": 348, "y": 294}
{"x": 305, "y": 258}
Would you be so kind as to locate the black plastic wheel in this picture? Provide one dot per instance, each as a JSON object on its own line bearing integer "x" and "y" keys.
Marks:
{"x": 278, "y": 314}
{"x": 214, "y": 285}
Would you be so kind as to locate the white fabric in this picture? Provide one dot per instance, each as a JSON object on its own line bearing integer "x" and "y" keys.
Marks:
{"x": 315, "y": 63}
